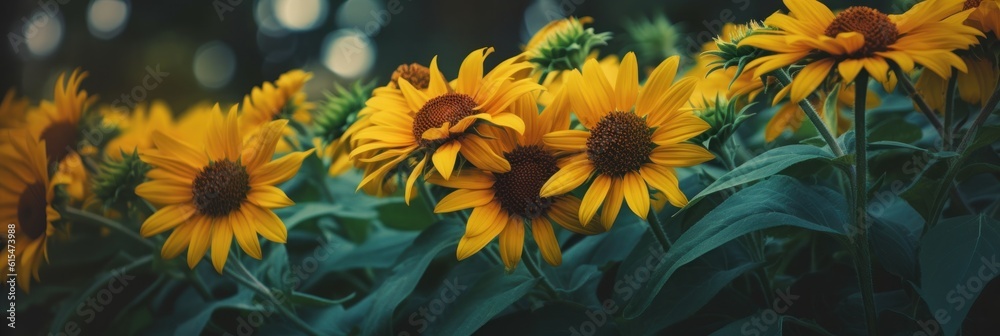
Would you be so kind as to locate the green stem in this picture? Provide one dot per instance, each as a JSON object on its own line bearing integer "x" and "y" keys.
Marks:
{"x": 814, "y": 117}
{"x": 864, "y": 262}
{"x": 911, "y": 90}
{"x": 949, "y": 109}
{"x": 244, "y": 277}
{"x": 198, "y": 284}
{"x": 95, "y": 219}
{"x": 988, "y": 109}
{"x": 532, "y": 266}
{"x": 657, "y": 228}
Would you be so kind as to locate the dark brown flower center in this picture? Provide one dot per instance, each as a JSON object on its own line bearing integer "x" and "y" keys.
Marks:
{"x": 971, "y": 4}
{"x": 518, "y": 189}
{"x": 60, "y": 139}
{"x": 418, "y": 75}
{"x": 878, "y": 30}
{"x": 449, "y": 107}
{"x": 221, "y": 188}
{"x": 31, "y": 208}
{"x": 619, "y": 144}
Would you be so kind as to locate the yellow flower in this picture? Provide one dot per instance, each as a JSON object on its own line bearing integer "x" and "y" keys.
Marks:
{"x": 12, "y": 110}
{"x": 974, "y": 87}
{"x": 985, "y": 17}
{"x": 56, "y": 124}
{"x": 863, "y": 38}
{"x": 436, "y": 125}
{"x": 135, "y": 129}
{"x": 505, "y": 202}
{"x": 554, "y": 81}
{"x": 221, "y": 188}
{"x": 635, "y": 138}
{"x": 27, "y": 201}
{"x": 283, "y": 99}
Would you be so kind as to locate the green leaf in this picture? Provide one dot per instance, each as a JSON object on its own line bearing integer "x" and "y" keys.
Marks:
{"x": 398, "y": 215}
{"x": 985, "y": 136}
{"x": 778, "y": 201}
{"x": 760, "y": 324}
{"x": 895, "y": 229}
{"x": 958, "y": 257}
{"x": 693, "y": 286}
{"x": 976, "y": 169}
{"x": 894, "y": 129}
{"x": 300, "y": 298}
{"x": 472, "y": 308}
{"x": 887, "y": 145}
{"x": 832, "y": 108}
{"x": 407, "y": 272}
{"x": 764, "y": 165}
{"x": 302, "y": 212}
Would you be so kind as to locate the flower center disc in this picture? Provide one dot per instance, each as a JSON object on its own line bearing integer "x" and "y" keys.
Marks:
{"x": 619, "y": 144}
{"x": 221, "y": 188}
{"x": 518, "y": 189}
{"x": 60, "y": 138}
{"x": 418, "y": 75}
{"x": 971, "y": 4}
{"x": 31, "y": 208}
{"x": 878, "y": 30}
{"x": 449, "y": 107}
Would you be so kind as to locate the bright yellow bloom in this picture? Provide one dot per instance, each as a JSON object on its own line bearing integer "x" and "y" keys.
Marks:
{"x": 863, "y": 38}
{"x": 135, "y": 128}
{"x": 433, "y": 127}
{"x": 505, "y": 202}
{"x": 283, "y": 99}
{"x": 26, "y": 198}
{"x": 12, "y": 110}
{"x": 635, "y": 139}
{"x": 56, "y": 124}
{"x": 554, "y": 81}
{"x": 220, "y": 188}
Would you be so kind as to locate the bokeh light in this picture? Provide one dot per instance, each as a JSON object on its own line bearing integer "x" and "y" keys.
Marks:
{"x": 214, "y": 64}
{"x": 106, "y": 18}
{"x": 300, "y": 15}
{"x": 348, "y": 53}
{"x": 43, "y": 33}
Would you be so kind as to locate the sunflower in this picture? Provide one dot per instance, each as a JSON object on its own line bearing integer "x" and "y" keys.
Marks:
{"x": 283, "y": 99}
{"x": 985, "y": 16}
{"x": 635, "y": 138}
{"x": 222, "y": 188}
{"x": 862, "y": 38}
{"x": 135, "y": 128}
{"x": 436, "y": 125}
{"x": 26, "y": 196}
{"x": 504, "y": 202}
{"x": 57, "y": 124}
{"x": 554, "y": 81}
{"x": 12, "y": 110}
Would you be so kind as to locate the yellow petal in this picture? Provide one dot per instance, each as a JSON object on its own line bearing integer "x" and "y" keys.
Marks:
{"x": 201, "y": 234}
{"x": 512, "y": 243}
{"x": 245, "y": 234}
{"x": 164, "y": 192}
{"x": 659, "y": 81}
{"x": 564, "y": 212}
{"x": 167, "y": 218}
{"x": 260, "y": 147}
{"x": 465, "y": 179}
{"x": 279, "y": 170}
{"x": 438, "y": 85}
{"x": 178, "y": 240}
{"x": 568, "y": 140}
{"x": 222, "y": 238}
{"x": 627, "y": 86}
{"x": 463, "y": 199}
{"x": 567, "y": 178}
{"x": 478, "y": 152}
{"x": 594, "y": 197}
{"x": 548, "y": 245}
{"x": 680, "y": 129}
{"x": 809, "y": 78}
{"x": 471, "y": 71}
{"x": 469, "y": 245}
{"x": 636, "y": 194}
{"x": 483, "y": 217}
{"x": 612, "y": 203}
{"x": 411, "y": 187}
{"x": 664, "y": 180}
{"x": 269, "y": 197}
{"x": 444, "y": 158}
{"x": 266, "y": 223}
{"x": 680, "y": 155}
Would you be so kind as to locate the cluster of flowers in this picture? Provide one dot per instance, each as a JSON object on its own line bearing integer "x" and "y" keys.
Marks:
{"x": 551, "y": 135}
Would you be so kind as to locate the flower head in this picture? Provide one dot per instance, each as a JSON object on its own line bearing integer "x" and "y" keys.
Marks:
{"x": 217, "y": 189}
{"x": 564, "y": 44}
{"x": 635, "y": 139}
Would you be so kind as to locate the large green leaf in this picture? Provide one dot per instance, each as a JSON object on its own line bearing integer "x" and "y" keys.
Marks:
{"x": 895, "y": 230}
{"x": 958, "y": 257}
{"x": 301, "y": 212}
{"x": 407, "y": 272}
{"x": 764, "y": 165}
{"x": 471, "y": 308}
{"x": 778, "y": 201}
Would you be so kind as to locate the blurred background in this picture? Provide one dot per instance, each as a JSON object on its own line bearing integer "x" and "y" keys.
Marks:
{"x": 217, "y": 50}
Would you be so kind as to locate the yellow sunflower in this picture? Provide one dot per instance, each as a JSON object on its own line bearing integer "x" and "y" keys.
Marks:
{"x": 635, "y": 139}
{"x": 554, "y": 80}
{"x": 275, "y": 101}
{"x": 135, "y": 128}
{"x": 221, "y": 188}
{"x": 863, "y": 38}
{"x": 26, "y": 198}
{"x": 12, "y": 110}
{"x": 436, "y": 125}
{"x": 56, "y": 124}
{"x": 505, "y": 202}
